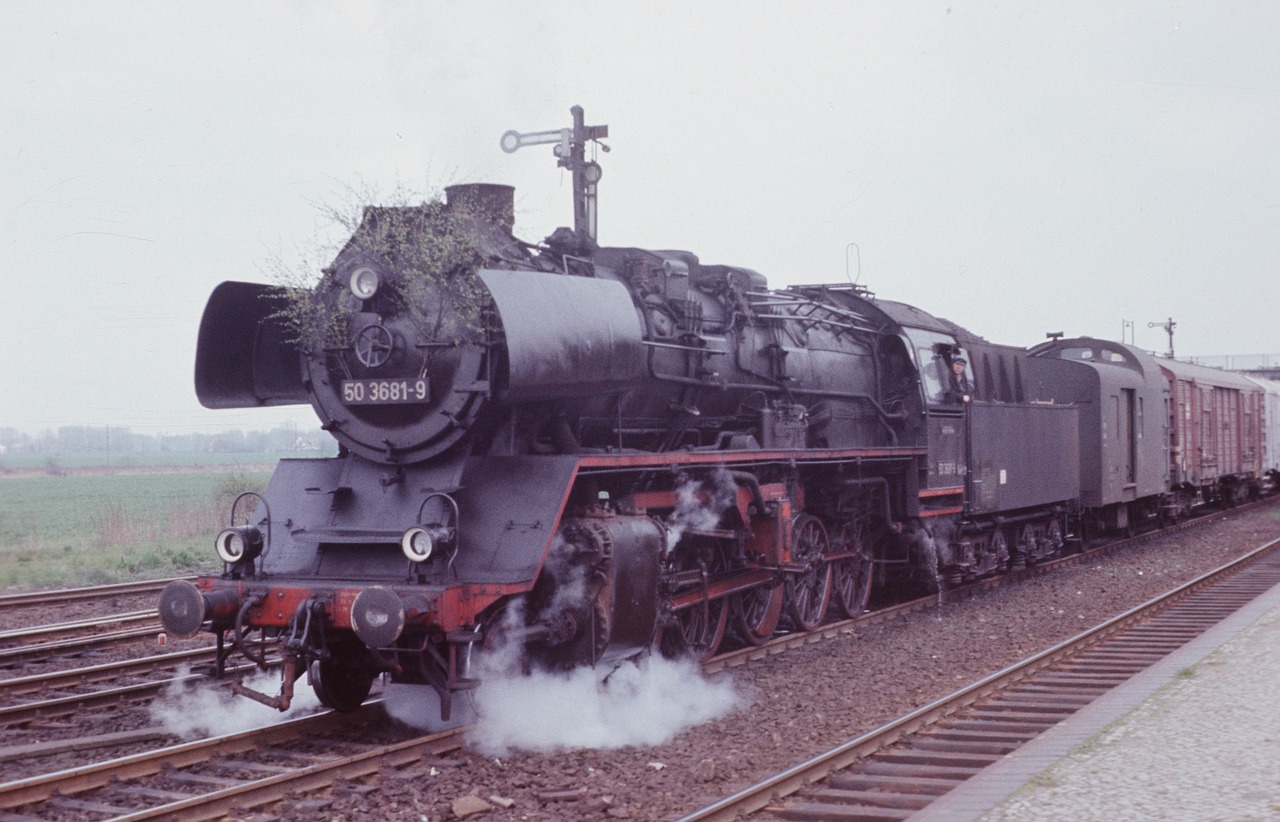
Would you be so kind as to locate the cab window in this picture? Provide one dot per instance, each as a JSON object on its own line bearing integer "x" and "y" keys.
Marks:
{"x": 935, "y": 373}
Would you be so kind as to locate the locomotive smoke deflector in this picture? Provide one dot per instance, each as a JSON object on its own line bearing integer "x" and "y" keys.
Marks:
{"x": 243, "y": 356}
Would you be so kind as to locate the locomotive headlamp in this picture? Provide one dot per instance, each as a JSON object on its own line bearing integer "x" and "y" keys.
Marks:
{"x": 417, "y": 544}
{"x": 238, "y": 544}
{"x": 363, "y": 282}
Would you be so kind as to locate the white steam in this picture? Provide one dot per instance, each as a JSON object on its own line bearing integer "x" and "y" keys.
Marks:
{"x": 643, "y": 703}
{"x": 570, "y": 582}
{"x": 199, "y": 708}
{"x": 699, "y": 504}
{"x": 418, "y": 706}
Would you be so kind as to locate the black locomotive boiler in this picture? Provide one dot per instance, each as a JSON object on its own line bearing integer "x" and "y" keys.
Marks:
{"x": 593, "y": 452}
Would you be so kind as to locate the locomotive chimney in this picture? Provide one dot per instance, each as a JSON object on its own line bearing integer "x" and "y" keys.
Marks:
{"x": 489, "y": 200}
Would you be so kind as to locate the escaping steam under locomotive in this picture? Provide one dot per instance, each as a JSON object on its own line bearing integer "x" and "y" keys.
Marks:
{"x": 588, "y": 453}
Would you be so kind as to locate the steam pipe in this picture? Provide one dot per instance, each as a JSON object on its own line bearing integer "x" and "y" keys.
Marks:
{"x": 557, "y": 630}
{"x": 753, "y": 485}
{"x": 282, "y": 702}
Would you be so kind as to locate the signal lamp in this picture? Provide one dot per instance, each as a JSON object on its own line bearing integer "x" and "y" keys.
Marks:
{"x": 363, "y": 282}
{"x": 238, "y": 544}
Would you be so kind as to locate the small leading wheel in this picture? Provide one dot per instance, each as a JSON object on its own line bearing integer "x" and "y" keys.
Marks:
{"x": 809, "y": 592}
{"x": 852, "y": 583}
{"x": 340, "y": 686}
{"x": 756, "y": 612}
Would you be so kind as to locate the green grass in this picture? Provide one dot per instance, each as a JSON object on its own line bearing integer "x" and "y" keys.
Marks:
{"x": 67, "y": 531}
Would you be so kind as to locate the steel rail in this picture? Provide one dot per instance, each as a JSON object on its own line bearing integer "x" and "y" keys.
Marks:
{"x": 10, "y": 657}
{"x": 258, "y": 792}
{"x": 216, "y": 803}
{"x": 72, "y": 781}
{"x": 93, "y": 592}
{"x": 79, "y": 627}
{"x": 11, "y": 715}
{"x": 106, "y": 671}
{"x": 17, "y": 714}
{"x": 765, "y": 793}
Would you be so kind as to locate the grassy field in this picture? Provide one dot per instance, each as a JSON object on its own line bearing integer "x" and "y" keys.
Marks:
{"x": 68, "y": 531}
{"x": 58, "y": 463}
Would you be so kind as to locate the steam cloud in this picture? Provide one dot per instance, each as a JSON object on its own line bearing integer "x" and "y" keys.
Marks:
{"x": 640, "y": 703}
{"x": 699, "y": 505}
{"x": 418, "y": 706}
{"x": 191, "y": 710}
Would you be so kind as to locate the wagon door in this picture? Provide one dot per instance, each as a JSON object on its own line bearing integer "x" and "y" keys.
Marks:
{"x": 1208, "y": 429}
{"x": 1230, "y": 421}
{"x": 1126, "y": 414}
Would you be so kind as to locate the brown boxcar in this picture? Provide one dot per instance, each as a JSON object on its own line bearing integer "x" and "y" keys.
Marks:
{"x": 1215, "y": 433}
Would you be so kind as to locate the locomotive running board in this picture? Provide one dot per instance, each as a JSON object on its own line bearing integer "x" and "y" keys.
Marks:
{"x": 713, "y": 458}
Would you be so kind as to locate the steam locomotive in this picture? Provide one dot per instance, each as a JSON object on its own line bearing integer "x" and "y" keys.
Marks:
{"x": 588, "y": 453}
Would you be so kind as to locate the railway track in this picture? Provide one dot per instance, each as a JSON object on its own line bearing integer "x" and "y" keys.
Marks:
{"x": 92, "y": 593}
{"x": 76, "y": 629}
{"x": 208, "y": 778}
{"x": 83, "y": 630}
{"x": 71, "y": 640}
{"x": 62, "y": 693}
{"x": 906, "y": 765}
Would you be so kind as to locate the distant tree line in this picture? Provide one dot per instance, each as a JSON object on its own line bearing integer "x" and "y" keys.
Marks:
{"x": 111, "y": 439}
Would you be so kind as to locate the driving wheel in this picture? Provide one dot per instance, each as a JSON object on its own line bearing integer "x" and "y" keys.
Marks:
{"x": 809, "y": 592}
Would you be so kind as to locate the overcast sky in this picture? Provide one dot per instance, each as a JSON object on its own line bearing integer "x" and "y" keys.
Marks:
{"x": 1018, "y": 168}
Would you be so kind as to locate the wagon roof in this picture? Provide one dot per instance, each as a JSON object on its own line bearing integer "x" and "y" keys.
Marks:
{"x": 1205, "y": 375}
